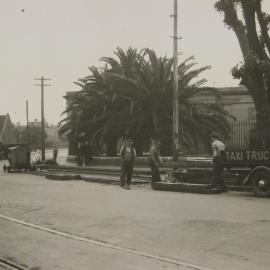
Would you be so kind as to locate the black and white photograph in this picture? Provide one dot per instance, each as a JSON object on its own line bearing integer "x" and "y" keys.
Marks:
{"x": 135, "y": 135}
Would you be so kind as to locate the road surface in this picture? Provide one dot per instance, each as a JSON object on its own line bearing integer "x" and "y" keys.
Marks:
{"x": 76, "y": 225}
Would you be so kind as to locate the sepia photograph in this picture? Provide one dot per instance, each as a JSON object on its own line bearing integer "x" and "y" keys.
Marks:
{"x": 135, "y": 135}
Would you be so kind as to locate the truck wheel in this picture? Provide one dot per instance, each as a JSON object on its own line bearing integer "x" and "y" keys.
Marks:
{"x": 260, "y": 183}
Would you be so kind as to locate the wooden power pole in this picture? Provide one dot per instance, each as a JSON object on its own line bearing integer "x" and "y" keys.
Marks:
{"x": 27, "y": 126}
{"x": 42, "y": 79}
{"x": 175, "y": 135}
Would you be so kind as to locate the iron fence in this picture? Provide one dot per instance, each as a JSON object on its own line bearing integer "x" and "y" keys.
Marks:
{"x": 239, "y": 137}
{"x": 240, "y": 134}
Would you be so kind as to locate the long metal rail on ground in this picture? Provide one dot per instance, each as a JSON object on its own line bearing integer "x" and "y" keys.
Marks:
{"x": 104, "y": 244}
{"x": 9, "y": 265}
{"x": 91, "y": 175}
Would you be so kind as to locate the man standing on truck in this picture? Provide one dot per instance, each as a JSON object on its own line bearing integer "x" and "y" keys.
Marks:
{"x": 218, "y": 155}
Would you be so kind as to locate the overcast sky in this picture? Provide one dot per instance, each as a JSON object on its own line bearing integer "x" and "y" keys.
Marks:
{"x": 60, "y": 39}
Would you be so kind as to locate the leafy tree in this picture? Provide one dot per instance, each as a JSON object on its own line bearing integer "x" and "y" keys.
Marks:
{"x": 251, "y": 26}
{"x": 34, "y": 136}
{"x": 132, "y": 95}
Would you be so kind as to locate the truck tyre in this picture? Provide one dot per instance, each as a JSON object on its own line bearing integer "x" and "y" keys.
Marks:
{"x": 260, "y": 183}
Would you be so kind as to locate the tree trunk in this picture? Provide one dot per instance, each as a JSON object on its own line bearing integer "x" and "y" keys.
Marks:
{"x": 255, "y": 71}
{"x": 155, "y": 120}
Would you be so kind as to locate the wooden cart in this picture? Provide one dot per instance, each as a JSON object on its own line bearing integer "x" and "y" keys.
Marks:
{"x": 18, "y": 158}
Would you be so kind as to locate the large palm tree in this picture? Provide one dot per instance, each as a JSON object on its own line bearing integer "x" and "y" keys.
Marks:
{"x": 133, "y": 94}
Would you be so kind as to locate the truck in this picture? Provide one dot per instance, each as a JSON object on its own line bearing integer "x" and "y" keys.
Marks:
{"x": 253, "y": 168}
{"x": 243, "y": 170}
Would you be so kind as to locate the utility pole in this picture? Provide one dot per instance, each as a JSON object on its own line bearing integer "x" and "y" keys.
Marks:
{"x": 27, "y": 126}
{"x": 175, "y": 135}
{"x": 28, "y": 138}
{"x": 42, "y": 79}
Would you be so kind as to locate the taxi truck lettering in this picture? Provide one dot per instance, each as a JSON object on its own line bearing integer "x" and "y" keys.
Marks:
{"x": 257, "y": 155}
{"x": 248, "y": 155}
{"x": 235, "y": 155}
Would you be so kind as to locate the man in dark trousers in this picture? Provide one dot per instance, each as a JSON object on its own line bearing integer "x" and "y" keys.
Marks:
{"x": 88, "y": 155}
{"x": 79, "y": 154}
{"x": 155, "y": 160}
{"x": 127, "y": 155}
{"x": 55, "y": 153}
{"x": 218, "y": 155}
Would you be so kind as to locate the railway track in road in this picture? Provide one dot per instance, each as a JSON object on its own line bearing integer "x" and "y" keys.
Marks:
{"x": 106, "y": 176}
{"x": 9, "y": 265}
{"x": 113, "y": 172}
{"x": 100, "y": 243}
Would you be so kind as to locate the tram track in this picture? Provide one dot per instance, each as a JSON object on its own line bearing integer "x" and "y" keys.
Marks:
{"x": 9, "y": 265}
{"x": 96, "y": 242}
{"x": 104, "y": 176}
{"x": 109, "y": 172}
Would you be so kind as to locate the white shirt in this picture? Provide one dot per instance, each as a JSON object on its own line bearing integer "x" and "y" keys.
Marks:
{"x": 217, "y": 147}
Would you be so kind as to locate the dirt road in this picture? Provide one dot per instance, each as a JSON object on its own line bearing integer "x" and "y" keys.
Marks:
{"x": 47, "y": 224}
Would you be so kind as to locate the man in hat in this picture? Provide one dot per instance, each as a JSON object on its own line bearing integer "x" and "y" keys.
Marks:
{"x": 127, "y": 155}
{"x": 155, "y": 160}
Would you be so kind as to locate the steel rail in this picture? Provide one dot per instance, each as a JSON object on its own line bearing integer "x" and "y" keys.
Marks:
{"x": 7, "y": 264}
{"x": 107, "y": 245}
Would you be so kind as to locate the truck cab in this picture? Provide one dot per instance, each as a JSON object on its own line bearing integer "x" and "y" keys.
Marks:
{"x": 253, "y": 166}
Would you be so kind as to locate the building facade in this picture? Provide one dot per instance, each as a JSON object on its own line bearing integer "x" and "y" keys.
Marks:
{"x": 235, "y": 100}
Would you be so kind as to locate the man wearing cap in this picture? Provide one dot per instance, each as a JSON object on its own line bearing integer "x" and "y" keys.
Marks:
{"x": 218, "y": 153}
{"x": 155, "y": 160}
{"x": 127, "y": 155}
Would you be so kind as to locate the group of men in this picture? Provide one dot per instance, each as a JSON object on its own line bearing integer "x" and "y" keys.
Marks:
{"x": 128, "y": 155}
{"x": 84, "y": 154}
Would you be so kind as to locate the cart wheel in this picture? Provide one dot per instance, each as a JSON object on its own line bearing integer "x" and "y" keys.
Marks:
{"x": 260, "y": 183}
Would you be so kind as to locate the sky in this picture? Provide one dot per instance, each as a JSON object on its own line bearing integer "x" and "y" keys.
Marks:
{"x": 60, "y": 39}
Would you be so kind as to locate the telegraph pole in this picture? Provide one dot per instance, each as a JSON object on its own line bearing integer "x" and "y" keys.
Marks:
{"x": 175, "y": 135}
{"x": 28, "y": 138}
{"x": 42, "y": 79}
{"x": 27, "y": 126}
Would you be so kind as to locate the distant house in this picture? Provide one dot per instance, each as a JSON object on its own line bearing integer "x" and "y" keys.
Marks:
{"x": 7, "y": 130}
{"x": 51, "y": 131}
{"x": 37, "y": 123}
